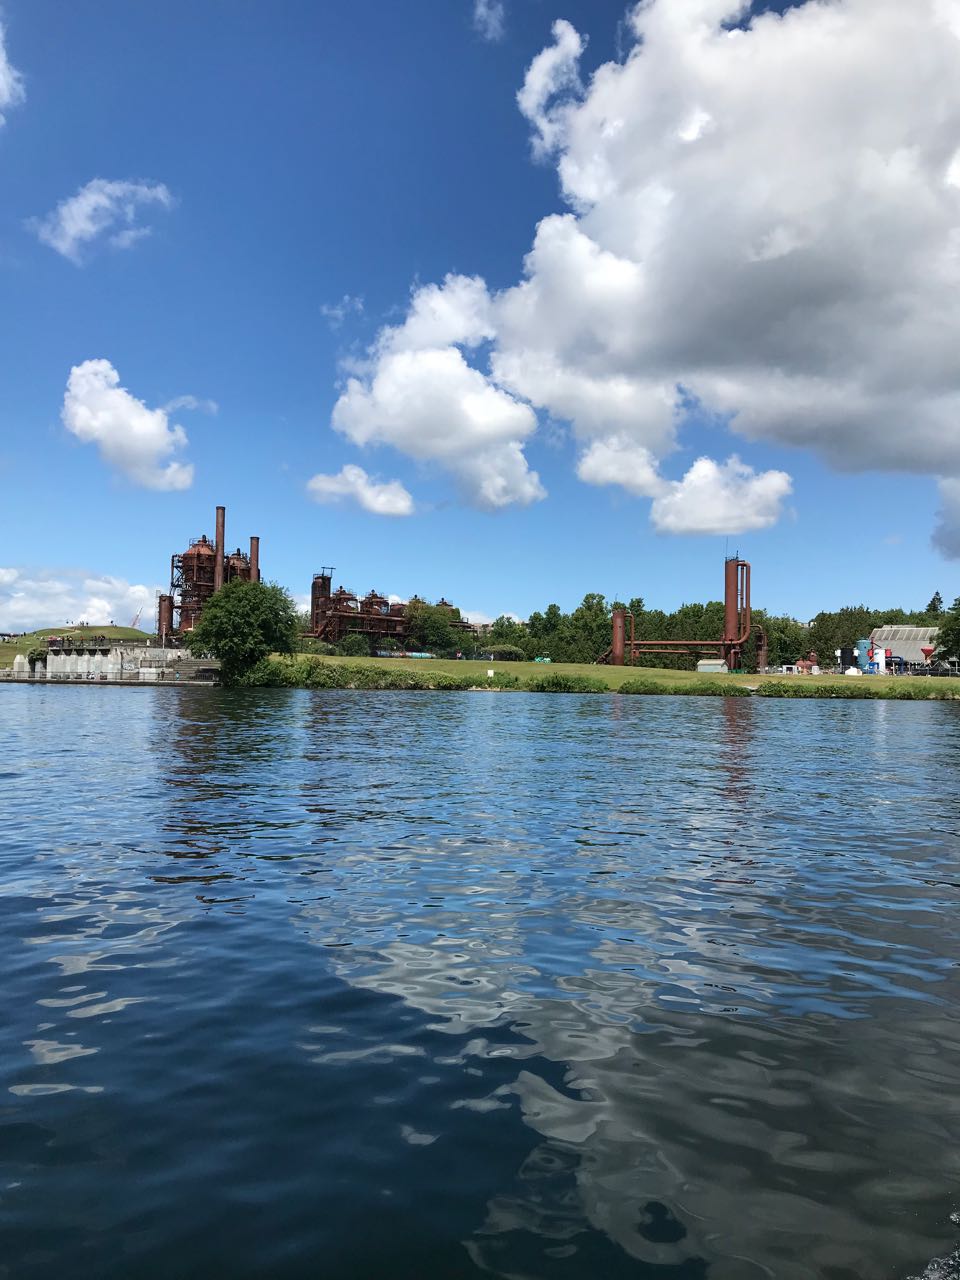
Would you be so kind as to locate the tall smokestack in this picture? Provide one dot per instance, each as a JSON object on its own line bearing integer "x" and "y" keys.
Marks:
{"x": 218, "y": 563}
{"x": 254, "y": 559}
{"x": 731, "y": 604}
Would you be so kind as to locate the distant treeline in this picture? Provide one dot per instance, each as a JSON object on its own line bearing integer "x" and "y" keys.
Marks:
{"x": 581, "y": 636}
{"x": 585, "y": 633}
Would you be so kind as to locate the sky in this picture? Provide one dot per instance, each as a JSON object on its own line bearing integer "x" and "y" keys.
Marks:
{"x": 500, "y": 300}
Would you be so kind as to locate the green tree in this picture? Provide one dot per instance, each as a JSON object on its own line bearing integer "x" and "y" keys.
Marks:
{"x": 430, "y": 628}
{"x": 936, "y": 604}
{"x": 948, "y": 637}
{"x": 354, "y": 645}
{"x": 243, "y": 623}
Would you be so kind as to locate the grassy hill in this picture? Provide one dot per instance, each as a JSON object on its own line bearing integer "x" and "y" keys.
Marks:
{"x": 37, "y": 639}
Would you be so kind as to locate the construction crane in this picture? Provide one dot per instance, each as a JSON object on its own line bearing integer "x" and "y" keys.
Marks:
{"x": 136, "y": 618}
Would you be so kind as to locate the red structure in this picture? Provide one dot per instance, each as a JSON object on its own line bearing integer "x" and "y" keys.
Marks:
{"x": 164, "y": 618}
{"x": 335, "y": 614}
{"x": 200, "y": 571}
{"x": 737, "y": 627}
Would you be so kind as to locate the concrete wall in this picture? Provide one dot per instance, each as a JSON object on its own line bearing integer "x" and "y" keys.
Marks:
{"x": 147, "y": 663}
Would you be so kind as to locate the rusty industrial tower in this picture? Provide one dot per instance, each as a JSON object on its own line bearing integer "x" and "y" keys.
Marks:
{"x": 335, "y": 614}
{"x": 198, "y": 572}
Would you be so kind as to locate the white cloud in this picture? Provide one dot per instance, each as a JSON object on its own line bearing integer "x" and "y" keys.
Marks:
{"x": 946, "y": 535}
{"x": 552, "y": 79}
{"x": 134, "y": 439}
{"x": 711, "y": 498}
{"x": 388, "y": 498}
{"x": 191, "y": 402}
{"x": 100, "y": 209}
{"x": 12, "y": 92}
{"x": 738, "y": 241}
{"x": 489, "y": 17}
{"x": 741, "y": 239}
{"x": 616, "y": 460}
{"x": 420, "y": 395}
{"x": 337, "y": 312}
{"x": 35, "y": 598}
{"x": 720, "y": 498}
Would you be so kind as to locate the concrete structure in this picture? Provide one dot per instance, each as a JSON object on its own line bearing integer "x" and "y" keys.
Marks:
{"x": 120, "y": 663}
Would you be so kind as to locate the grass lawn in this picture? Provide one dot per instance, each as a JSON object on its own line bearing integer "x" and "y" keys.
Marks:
{"x": 37, "y": 639}
{"x": 615, "y": 676}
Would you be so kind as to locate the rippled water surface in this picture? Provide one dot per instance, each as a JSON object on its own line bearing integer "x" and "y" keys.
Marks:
{"x": 415, "y": 986}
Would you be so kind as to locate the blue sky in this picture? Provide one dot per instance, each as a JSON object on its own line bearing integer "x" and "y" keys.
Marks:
{"x": 289, "y": 160}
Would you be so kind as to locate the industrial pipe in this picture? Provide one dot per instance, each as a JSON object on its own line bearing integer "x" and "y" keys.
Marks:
{"x": 218, "y": 563}
{"x": 731, "y": 610}
{"x": 254, "y": 559}
{"x": 619, "y": 636}
{"x": 164, "y": 618}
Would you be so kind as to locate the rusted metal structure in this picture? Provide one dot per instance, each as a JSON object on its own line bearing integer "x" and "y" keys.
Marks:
{"x": 200, "y": 571}
{"x": 737, "y": 628}
{"x": 164, "y": 618}
{"x": 335, "y": 614}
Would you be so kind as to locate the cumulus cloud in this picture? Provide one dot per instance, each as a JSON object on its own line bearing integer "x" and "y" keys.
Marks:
{"x": 711, "y": 498}
{"x": 101, "y": 210}
{"x": 381, "y": 498}
{"x": 419, "y": 394}
{"x": 30, "y": 599}
{"x": 489, "y": 18}
{"x": 617, "y": 460}
{"x": 738, "y": 242}
{"x": 741, "y": 240}
{"x": 132, "y": 438}
{"x": 720, "y": 498}
{"x": 552, "y": 80}
{"x": 12, "y": 92}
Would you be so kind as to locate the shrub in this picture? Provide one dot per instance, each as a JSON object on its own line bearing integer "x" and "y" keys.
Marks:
{"x": 693, "y": 688}
{"x": 644, "y": 687}
{"x": 800, "y": 688}
{"x": 354, "y": 646}
{"x": 711, "y": 689}
{"x": 557, "y": 682}
{"x": 309, "y": 644}
{"x": 504, "y": 653}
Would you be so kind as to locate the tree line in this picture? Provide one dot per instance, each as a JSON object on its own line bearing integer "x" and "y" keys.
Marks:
{"x": 245, "y": 622}
{"x": 583, "y": 634}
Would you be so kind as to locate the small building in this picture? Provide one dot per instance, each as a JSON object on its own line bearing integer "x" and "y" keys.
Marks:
{"x": 914, "y": 645}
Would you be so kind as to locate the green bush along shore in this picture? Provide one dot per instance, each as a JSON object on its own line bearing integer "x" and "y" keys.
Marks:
{"x": 309, "y": 671}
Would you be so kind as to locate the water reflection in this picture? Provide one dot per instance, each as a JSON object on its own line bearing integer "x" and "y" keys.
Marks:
{"x": 547, "y": 987}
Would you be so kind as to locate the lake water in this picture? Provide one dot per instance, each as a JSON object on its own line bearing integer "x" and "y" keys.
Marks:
{"x": 424, "y": 986}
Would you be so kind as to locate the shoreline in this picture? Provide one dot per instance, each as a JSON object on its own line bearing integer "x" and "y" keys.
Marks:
{"x": 304, "y": 671}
